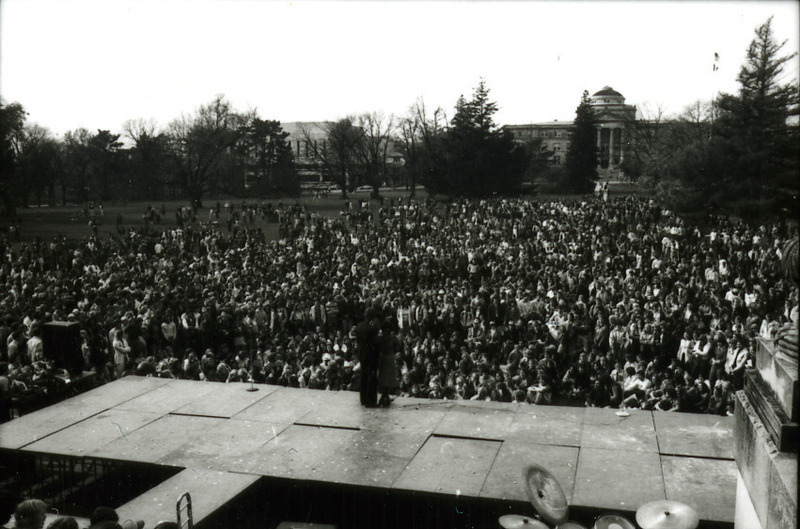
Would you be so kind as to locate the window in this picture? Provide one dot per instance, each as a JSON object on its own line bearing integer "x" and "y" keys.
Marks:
{"x": 557, "y": 147}
{"x": 558, "y": 134}
{"x": 556, "y": 160}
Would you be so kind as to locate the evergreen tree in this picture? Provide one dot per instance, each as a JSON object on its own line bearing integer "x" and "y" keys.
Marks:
{"x": 473, "y": 157}
{"x": 270, "y": 162}
{"x": 12, "y": 120}
{"x": 757, "y": 144}
{"x": 581, "y": 164}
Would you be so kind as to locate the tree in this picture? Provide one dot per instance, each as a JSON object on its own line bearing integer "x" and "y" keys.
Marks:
{"x": 539, "y": 162}
{"x": 372, "y": 149}
{"x": 756, "y": 140}
{"x": 149, "y": 163}
{"x": 647, "y": 129}
{"x": 12, "y": 119}
{"x": 198, "y": 143}
{"x": 418, "y": 131}
{"x": 270, "y": 163}
{"x": 581, "y": 162}
{"x": 337, "y": 156}
{"x": 474, "y": 157}
{"x": 77, "y": 160}
{"x": 39, "y": 162}
{"x": 104, "y": 151}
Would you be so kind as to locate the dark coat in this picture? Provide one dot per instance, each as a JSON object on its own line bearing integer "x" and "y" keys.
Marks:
{"x": 388, "y": 346}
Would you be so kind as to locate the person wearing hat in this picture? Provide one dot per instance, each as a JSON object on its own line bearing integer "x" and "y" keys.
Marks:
{"x": 368, "y": 354}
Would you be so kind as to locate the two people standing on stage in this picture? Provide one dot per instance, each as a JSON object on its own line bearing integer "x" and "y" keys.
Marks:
{"x": 377, "y": 350}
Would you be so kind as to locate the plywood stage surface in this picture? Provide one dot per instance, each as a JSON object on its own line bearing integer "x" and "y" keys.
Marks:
{"x": 465, "y": 448}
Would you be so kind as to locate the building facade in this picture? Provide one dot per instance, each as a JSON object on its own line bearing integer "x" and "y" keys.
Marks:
{"x": 305, "y": 138}
{"x": 614, "y": 134}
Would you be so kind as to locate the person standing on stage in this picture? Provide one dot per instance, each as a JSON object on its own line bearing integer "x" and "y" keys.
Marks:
{"x": 367, "y": 343}
{"x": 388, "y": 347}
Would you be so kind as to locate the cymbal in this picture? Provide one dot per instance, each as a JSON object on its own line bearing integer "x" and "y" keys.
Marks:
{"x": 516, "y": 521}
{"x": 666, "y": 514}
{"x": 613, "y": 521}
{"x": 571, "y": 525}
{"x": 545, "y": 494}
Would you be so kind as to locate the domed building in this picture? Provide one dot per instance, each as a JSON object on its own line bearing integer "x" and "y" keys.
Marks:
{"x": 614, "y": 119}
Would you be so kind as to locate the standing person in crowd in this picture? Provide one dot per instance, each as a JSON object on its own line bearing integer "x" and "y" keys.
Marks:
{"x": 5, "y": 393}
{"x": 35, "y": 345}
{"x": 121, "y": 352}
{"x": 368, "y": 356}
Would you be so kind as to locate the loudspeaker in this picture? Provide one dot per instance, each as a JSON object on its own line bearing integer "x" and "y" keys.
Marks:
{"x": 61, "y": 341}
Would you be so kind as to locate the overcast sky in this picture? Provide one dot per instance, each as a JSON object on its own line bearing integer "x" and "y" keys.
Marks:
{"x": 94, "y": 64}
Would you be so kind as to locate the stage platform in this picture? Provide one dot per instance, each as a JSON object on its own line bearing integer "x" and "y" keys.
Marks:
{"x": 227, "y": 438}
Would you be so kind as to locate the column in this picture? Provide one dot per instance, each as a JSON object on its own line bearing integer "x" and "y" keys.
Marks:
{"x": 611, "y": 147}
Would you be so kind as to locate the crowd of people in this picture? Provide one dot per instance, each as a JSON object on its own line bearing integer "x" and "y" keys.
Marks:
{"x": 34, "y": 514}
{"x": 601, "y": 303}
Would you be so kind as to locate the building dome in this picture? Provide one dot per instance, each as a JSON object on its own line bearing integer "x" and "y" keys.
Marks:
{"x": 607, "y": 96}
{"x": 607, "y": 91}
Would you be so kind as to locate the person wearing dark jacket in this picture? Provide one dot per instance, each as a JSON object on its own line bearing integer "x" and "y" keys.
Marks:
{"x": 368, "y": 355}
{"x": 388, "y": 347}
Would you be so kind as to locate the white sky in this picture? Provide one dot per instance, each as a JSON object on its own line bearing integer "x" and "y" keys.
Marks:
{"x": 94, "y": 64}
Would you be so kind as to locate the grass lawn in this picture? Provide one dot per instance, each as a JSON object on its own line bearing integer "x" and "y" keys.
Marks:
{"x": 47, "y": 222}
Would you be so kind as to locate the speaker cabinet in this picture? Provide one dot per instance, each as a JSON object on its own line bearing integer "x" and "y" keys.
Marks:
{"x": 61, "y": 341}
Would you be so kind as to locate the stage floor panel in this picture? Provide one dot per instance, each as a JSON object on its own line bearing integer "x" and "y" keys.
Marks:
{"x": 506, "y": 477}
{"x": 694, "y": 435}
{"x": 336, "y": 411}
{"x": 170, "y": 397}
{"x": 209, "y": 490}
{"x": 468, "y": 448}
{"x": 687, "y": 479}
{"x": 228, "y": 400}
{"x": 370, "y": 458}
{"x": 552, "y": 425}
{"x": 152, "y": 442}
{"x": 450, "y": 465}
{"x": 224, "y": 445}
{"x": 618, "y": 480}
{"x": 285, "y": 405}
{"x": 39, "y": 424}
{"x": 124, "y": 389}
{"x": 603, "y": 428}
{"x": 94, "y": 432}
{"x": 300, "y": 452}
{"x": 408, "y": 415}
{"x": 476, "y": 422}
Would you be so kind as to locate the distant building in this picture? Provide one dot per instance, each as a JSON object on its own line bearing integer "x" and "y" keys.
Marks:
{"x": 304, "y": 138}
{"x": 307, "y": 137}
{"x": 614, "y": 136}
